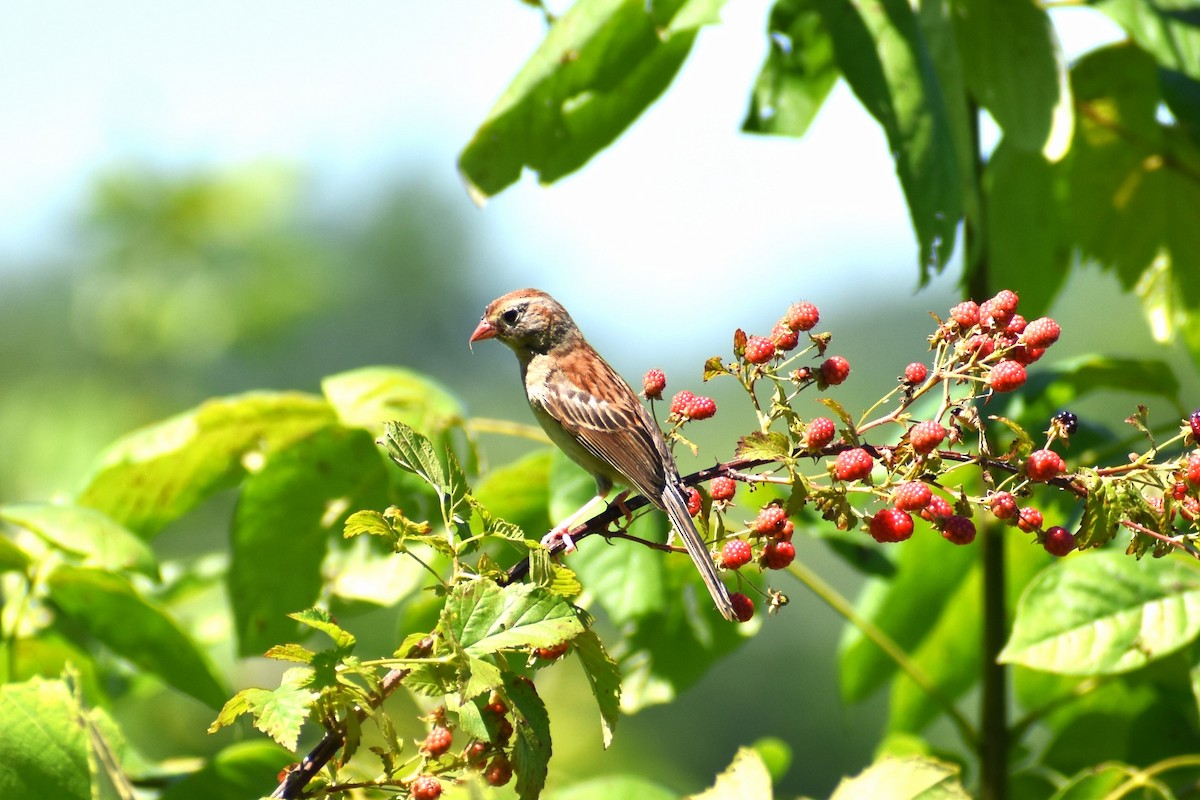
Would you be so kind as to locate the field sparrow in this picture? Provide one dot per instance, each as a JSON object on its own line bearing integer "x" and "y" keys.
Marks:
{"x": 593, "y": 416}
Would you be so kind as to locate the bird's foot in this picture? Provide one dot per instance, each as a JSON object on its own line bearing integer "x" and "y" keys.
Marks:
{"x": 619, "y": 502}
{"x": 561, "y": 533}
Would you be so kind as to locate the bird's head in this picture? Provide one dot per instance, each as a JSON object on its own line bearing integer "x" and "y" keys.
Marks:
{"x": 526, "y": 320}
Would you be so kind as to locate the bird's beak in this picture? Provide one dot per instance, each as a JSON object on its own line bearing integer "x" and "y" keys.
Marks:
{"x": 484, "y": 330}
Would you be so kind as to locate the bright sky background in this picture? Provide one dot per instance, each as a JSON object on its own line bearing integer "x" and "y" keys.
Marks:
{"x": 681, "y": 201}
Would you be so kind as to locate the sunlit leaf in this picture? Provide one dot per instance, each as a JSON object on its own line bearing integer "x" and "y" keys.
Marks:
{"x": 604, "y": 676}
{"x": 912, "y": 778}
{"x": 45, "y": 745}
{"x": 279, "y": 713}
{"x": 531, "y": 750}
{"x": 370, "y": 396}
{"x": 798, "y": 74}
{"x": 485, "y": 618}
{"x": 746, "y": 776}
{"x": 85, "y": 532}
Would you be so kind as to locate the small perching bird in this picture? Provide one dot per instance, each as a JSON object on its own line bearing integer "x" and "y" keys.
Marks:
{"x": 594, "y": 416}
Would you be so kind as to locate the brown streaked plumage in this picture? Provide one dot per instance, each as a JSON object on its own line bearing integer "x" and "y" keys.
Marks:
{"x": 593, "y": 415}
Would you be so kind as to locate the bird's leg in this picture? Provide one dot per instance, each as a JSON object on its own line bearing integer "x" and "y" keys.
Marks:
{"x": 563, "y": 529}
{"x": 619, "y": 502}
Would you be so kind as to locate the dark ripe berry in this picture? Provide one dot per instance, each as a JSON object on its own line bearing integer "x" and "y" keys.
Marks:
{"x": 1194, "y": 423}
{"x": 504, "y": 731}
{"x": 722, "y": 488}
{"x": 426, "y": 787}
{"x": 499, "y": 772}
{"x": 784, "y": 337}
{"x": 1067, "y": 422}
{"x": 802, "y": 317}
{"x": 1059, "y": 541}
{"x": 552, "y": 653}
{"x": 759, "y": 350}
{"x": 1044, "y": 465}
{"x": 1041, "y": 333}
{"x": 965, "y": 314}
{"x": 777, "y": 555}
{"x": 680, "y": 403}
{"x": 915, "y": 373}
{"x": 819, "y": 432}
{"x": 653, "y": 383}
{"x": 743, "y": 606}
{"x": 958, "y": 529}
{"x": 736, "y": 553}
{"x": 694, "y": 501}
{"x": 1015, "y": 325}
{"x": 770, "y": 521}
{"x": 835, "y": 370}
{"x": 891, "y": 525}
{"x": 937, "y": 508}
{"x": 1006, "y": 376}
{"x": 476, "y": 754}
{"x": 437, "y": 741}
{"x": 1193, "y": 469}
{"x": 1029, "y": 519}
{"x": 852, "y": 465}
{"x": 912, "y": 496}
{"x": 926, "y": 436}
{"x": 1003, "y": 505}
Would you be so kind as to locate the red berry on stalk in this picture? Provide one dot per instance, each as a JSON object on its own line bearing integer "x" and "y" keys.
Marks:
{"x": 819, "y": 432}
{"x": 915, "y": 372}
{"x": 1015, "y": 325}
{"x": 982, "y": 345}
{"x": 778, "y": 554}
{"x": 1041, "y": 333}
{"x": 783, "y": 337}
{"x": 722, "y": 488}
{"x": 912, "y": 496}
{"x": 499, "y": 772}
{"x": 770, "y": 521}
{"x": 743, "y": 606}
{"x": 736, "y": 553}
{"x": 1006, "y": 376}
{"x": 653, "y": 383}
{"x": 437, "y": 741}
{"x": 853, "y": 464}
{"x": 926, "y": 436}
{"x": 1025, "y": 355}
{"x": 1029, "y": 519}
{"x": 936, "y": 509}
{"x": 759, "y": 350}
{"x": 891, "y": 525}
{"x": 802, "y": 317}
{"x": 426, "y": 787}
{"x": 958, "y": 529}
{"x": 835, "y": 370}
{"x": 552, "y": 653}
{"x": 680, "y": 403}
{"x": 476, "y": 753}
{"x": 1003, "y": 505}
{"x": 965, "y": 313}
{"x": 504, "y": 731}
{"x": 1044, "y": 465}
{"x": 1059, "y": 541}
{"x": 700, "y": 408}
{"x": 1006, "y": 301}
{"x": 694, "y": 501}
{"x": 785, "y": 535}
{"x": 496, "y": 705}
{"x": 1193, "y": 469}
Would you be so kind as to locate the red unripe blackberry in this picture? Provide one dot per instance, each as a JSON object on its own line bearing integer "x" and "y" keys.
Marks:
{"x": 1025, "y": 355}
{"x": 982, "y": 345}
{"x": 1003, "y": 505}
{"x": 1059, "y": 541}
{"x": 426, "y": 787}
{"x": 818, "y": 433}
{"x": 958, "y": 529}
{"x": 1006, "y": 301}
{"x": 1029, "y": 519}
{"x": 504, "y": 731}
{"x": 680, "y": 403}
{"x": 926, "y": 436}
{"x": 1193, "y": 469}
{"x": 1044, "y": 465}
{"x": 476, "y": 754}
{"x": 802, "y": 316}
{"x": 912, "y": 496}
{"x": 552, "y": 653}
{"x": 915, "y": 373}
{"x": 778, "y": 554}
{"x": 785, "y": 535}
{"x": 965, "y": 314}
{"x": 891, "y": 525}
{"x": 936, "y": 509}
{"x": 700, "y": 407}
{"x": 1006, "y": 376}
{"x": 1041, "y": 333}
{"x": 743, "y": 606}
{"x": 759, "y": 350}
{"x": 736, "y": 553}
{"x": 1015, "y": 325}
{"x": 437, "y": 741}
{"x": 770, "y": 521}
{"x": 496, "y": 705}
{"x": 653, "y": 383}
{"x": 694, "y": 501}
{"x": 783, "y": 337}
{"x": 852, "y": 465}
{"x": 835, "y": 370}
{"x": 499, "y": 772}
{"x": 722, "y": 488}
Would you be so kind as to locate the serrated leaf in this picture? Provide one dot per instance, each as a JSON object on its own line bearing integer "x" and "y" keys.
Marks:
{"x": 279, "y": 713}
{"x": 798, "y": 73}
{"x": 485, "y": 618}
{"x": 482, "y": 676}
{"x": 85, "y": 532}
{"x": 371, "y": 523}
{"x": 45, "y": 745}
{"x": 110, "y": 609}
{"x": 746, "y": 776}
{"x": 770, "y": 446}
{"x": 1101, "y": 513}
{"x": 532, "y": 748}
{"x": 714, "y": 367}
{"x": 911, "y": 778}
{"x": 320, "y": 620}
{"x": 839, "y": 410}
{"x": 415, "y": 453}
{"x": 291, "y": 652}
{"x": 604, "y": 677}
{"x": 1103, "y": 613}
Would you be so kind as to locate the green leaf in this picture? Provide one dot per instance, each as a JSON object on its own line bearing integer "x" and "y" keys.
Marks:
{"x": 746, "y": 776}
{"x": 613, "y": 786}
{"x": 771, "y": 446}
{"x": 1167, "y": 29}
{"x": 159, "y": 473}
{"x": 798, "y": 74}
{"x": 107, "y": 607}
{"x": 1101, "y": 511}
{"x": 85, "y": 532}
{"x": 883, "y": 56}
{"x": 1097, "y": 783}
{"x": 370, "y": 396}
{"x": 485, "y": 618}
{"x": 320, "y": 620}
{"x": 912, "y": 778}
{"x": 604, "y": 676}
{"x": 531, "y": 750}
{"x": 415, "y": 453}
{"x": 1015, "y": 69}
{"x": 279, "y": 713}
{"x": 601, "y": 65}
{"x": 1103, "y": 613}
{"x": 282, "y": 528}
{"x": 520, "y": 492}
{"x": 44, "y": 742}
{"x": 244, "y": 769}
{"x": 12, "y": 557}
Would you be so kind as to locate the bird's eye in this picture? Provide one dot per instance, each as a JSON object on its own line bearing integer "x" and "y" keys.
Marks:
{"x": 511, "y": 315}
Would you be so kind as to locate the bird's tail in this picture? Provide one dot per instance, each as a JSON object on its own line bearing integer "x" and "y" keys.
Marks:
{"x": 675, "y": 504}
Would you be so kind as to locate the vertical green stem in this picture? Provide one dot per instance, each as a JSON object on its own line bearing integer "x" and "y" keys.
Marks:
{"x": 993, "y": 724}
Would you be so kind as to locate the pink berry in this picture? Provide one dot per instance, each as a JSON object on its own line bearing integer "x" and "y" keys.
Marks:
{"x": 759, "y": 350}
{"x": 499, "y": 772}
{"x": 915, "y": 373}
{"x": 1003, "y": 505}
{"x": 853, "y": 464}
{"x": 437, "y": 741}
{"x": 912, "y": 496}
{"x": 802, "y": 317}
{"x": 777, "y": 555}
{"x": 1044, "y": 465}
{"x": 818, "y": 433}
{"x": 770, "y": 521}
{"x": 1015, "y": 325}
{"x": 700, "y": 407}
{"x": 891, "y": 525}
{"x": 965, "y": 314}
{"x": 426, "y": 787}
{"x": 736, "y": 553}
{"x": 722, "y": 488}
{"x": 1059, "y": 541}
{"x": 958, "y": 529}
{"x": 1029, "y": 519}
{"x": 653, "y": 384}
{"x": 926, "y": 436}
{"x": 1193, "y": 469}
{"x": 783, "y": 337}
{"x": 680, "y": 403}
{"x": 1006, "y": 376}
{"x": 936, "y": 509}
{"x": 1041, "y": 333}
{"x": 835, "y": 370}
{"x": 694, "y": 501}
{"x": 743, "y": 606}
